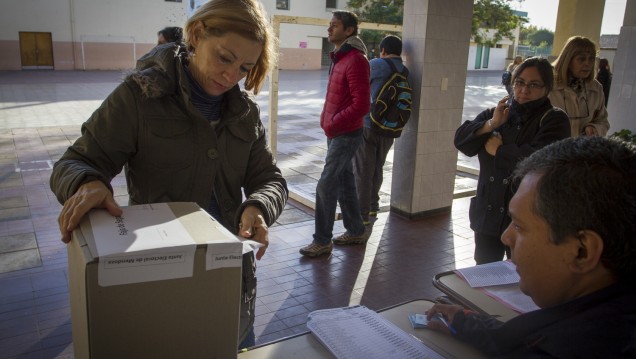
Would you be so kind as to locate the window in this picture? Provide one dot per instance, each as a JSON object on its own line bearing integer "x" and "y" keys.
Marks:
{"x": 282, "y": 4}
{"x": 332, "y": 4}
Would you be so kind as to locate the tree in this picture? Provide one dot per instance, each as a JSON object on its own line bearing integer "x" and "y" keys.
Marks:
{"x": 540, "y": 36}
{"x": 494, "y": 15}
{"x": 377, "y": 11}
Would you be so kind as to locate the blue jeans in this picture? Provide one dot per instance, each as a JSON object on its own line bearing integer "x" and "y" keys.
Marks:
{"x": 337, "y": 184}
{"x": 367, "y": 168}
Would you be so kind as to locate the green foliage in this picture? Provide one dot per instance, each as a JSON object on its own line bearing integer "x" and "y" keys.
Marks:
{"x": 542, "y": 35}
{"x": 377, "y": 11}
{"x": 496, "y": 15}
{"x": 625, "y": 135}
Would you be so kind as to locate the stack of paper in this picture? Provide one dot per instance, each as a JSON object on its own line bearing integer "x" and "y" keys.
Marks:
{"x": 500, "y": 281}
{"x": 358, "y": 332}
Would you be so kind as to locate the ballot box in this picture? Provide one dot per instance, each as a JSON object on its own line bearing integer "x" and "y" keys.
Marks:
{"x": 161, "y": 281}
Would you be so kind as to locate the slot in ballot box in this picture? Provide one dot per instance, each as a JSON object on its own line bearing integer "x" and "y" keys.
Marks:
{"x": 173, "y": 292}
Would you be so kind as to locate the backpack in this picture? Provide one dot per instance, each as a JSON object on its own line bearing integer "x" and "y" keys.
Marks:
{"x": 506, "y": 77}
{"x": 392, "y": 107}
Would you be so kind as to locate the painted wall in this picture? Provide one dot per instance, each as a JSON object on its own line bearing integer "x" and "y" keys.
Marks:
{"x": 111, "y": 34}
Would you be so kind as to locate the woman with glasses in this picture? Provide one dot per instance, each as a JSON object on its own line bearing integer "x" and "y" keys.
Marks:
{"x": 576, "y": 91}
{"x": 501, "y": 137}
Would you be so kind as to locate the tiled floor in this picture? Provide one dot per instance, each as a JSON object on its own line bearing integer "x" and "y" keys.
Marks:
{"x": 396, "y": 265}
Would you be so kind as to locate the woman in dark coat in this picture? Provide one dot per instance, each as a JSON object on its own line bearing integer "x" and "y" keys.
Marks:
{"x": 501, "y": 137}
{"x": 604, "y": 76}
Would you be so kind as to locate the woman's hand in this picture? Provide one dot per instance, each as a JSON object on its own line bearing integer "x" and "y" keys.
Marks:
{"x": 502, "y": 111}
{"x": 253, "y": 226}
{"x": 493, "y": 143}
{"x": 90, "y": 195}
{"x": 447, "y": 311}
{"x": 591, "y": 131}
{"x": 499, "y": 117}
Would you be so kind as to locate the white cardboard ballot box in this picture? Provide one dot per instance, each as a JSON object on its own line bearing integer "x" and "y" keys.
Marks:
{"x": 166, "y": 285}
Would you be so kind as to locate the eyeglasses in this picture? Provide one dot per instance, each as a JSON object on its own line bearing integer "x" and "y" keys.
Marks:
{"x": 518, "y": 84}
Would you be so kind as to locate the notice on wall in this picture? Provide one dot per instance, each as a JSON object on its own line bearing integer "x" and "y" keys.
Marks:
{"x": 146, "y": 243}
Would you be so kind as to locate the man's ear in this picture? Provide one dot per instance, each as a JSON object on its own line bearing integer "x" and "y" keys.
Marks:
{"x": 349, "y": 30}
{"x": 589, "y": 248}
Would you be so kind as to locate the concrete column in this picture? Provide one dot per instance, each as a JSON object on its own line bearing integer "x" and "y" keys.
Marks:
{"x": 621, "y": 106}
{"x": 436, "y": 38}
{"x": 578, "y": 17}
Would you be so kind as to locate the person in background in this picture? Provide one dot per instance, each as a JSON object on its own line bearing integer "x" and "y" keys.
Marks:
{"x": 371, "y": 155}
{"x": 346, "y": 103}
{"x": 573, "y": 240}
{"x": 169, "y": 34}
{"x": 604, "y": 77}
{"x": 501, "y": 137}
{"x": 511, "y": 68}
{"x": 575, "y": 90}
{"x": 183, "y": 131}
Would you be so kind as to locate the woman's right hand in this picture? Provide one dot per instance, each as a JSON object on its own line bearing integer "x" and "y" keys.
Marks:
{"x": 90, "y": 195}
{"x": 502, "y": 111}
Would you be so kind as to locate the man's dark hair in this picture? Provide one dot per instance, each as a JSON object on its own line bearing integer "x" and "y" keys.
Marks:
{"x": 172, "y": 34}
{"x": 392, "y": 45}
{"x": 545, "y": 71}
{"x": 589, "y": 183}
{"x": 348, "y": 19}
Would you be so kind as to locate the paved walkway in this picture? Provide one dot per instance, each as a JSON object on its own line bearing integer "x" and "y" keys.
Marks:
{"x": 40, "y": 116}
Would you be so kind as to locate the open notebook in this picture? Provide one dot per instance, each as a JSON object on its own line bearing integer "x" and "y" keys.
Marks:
{"x": 358, "y": 332}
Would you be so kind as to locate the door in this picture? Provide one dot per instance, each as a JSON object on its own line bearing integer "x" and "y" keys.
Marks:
{"x": 36, "y": 50}
{"x": 478, "y": 54}
{"x": 486, "y": 58}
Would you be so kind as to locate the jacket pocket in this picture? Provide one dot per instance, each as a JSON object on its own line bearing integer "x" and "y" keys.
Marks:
{"x": 170, "y": 143}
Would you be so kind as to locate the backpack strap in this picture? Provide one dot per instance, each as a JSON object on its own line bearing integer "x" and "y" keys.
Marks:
{"x": 404, "y": 72}
{"x": 544, "y": 115}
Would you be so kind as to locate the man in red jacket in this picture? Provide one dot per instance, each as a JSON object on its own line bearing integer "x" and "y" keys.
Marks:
{"x": 346, "y": 103}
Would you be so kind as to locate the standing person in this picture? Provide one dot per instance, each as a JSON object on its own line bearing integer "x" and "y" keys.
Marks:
{"x": 501, "y": 137}
{"x": 575, "y": 90}
{"x": 604, "y": 77}
{"x": 346, "y": 103}
{"x": 573, "y": 240}
{"x": 511, "y": 68}
{"x": 370, "y": 157}
{"x": 183, "y": 130}
{"x": 169, "y": 34}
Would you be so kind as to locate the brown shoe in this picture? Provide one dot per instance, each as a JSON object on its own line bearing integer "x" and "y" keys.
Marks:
{"x": 315, "y": 249}
{"x": 348, "y": 238}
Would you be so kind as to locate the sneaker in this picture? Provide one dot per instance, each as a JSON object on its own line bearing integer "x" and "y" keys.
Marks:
{"x": 315, "y": 249}
{"x": 348, "y": 238}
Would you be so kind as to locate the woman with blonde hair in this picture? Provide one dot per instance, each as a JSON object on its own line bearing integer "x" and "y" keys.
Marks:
{"x": 576, "y": 91}
{"x": 184, "y": 131}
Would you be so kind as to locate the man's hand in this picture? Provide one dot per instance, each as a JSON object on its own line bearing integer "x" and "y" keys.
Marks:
{"x": 90, "y": 195}
{"x": 253, "y": 226}
{"x": 447, "y": 311}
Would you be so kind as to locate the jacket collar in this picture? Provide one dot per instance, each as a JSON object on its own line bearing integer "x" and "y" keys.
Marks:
{"x": 161, "y": 73}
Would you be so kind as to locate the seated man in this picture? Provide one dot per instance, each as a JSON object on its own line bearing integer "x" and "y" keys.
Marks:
{"x": 573, "y": 239}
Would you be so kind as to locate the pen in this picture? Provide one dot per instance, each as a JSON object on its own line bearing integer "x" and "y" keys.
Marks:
{"x": 443, "y": 320}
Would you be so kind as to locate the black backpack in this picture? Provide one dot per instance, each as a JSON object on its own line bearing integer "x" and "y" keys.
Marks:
{"x": 506, "y": 77}
{"x": 392, "y": 107}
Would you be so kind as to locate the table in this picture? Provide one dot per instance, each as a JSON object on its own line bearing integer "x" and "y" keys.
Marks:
{"x": 306, "y": 346}
{"x": 457, "y": 288}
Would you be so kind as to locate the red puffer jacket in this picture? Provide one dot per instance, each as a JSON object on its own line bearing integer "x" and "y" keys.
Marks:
{"x": 348, "y": 92}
